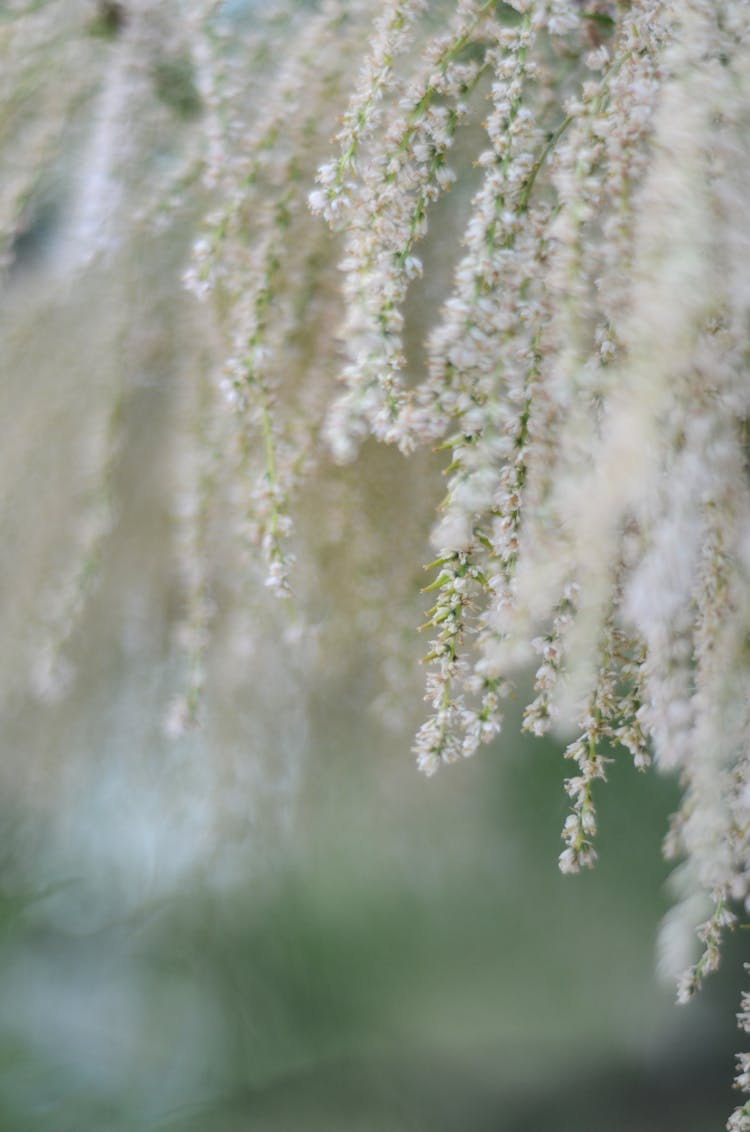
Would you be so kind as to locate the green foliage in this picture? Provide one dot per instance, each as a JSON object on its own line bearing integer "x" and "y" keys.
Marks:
{"x": 174, "y": 83}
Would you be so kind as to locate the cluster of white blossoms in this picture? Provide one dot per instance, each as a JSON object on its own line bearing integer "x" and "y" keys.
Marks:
{"x": 587, "y": 374}
{"x": 518, "y": 234}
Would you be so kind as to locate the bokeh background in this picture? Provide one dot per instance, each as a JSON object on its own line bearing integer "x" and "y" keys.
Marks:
{"x": 271, "y": 922}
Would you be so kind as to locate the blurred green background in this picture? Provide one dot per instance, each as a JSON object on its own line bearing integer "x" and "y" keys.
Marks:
{"x": 373, "y": 951}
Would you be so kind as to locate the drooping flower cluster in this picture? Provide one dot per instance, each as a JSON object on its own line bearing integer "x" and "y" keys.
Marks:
{"x": 538, "y": 267}
{"x": 588, "y": 375}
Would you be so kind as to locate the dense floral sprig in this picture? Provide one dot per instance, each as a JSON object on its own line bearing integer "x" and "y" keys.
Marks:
{"x": 254, "y": 257}
{"x": 739, "y": 1121}
{"x": 400, "y": 177}
{"x": 581, "y": 500}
